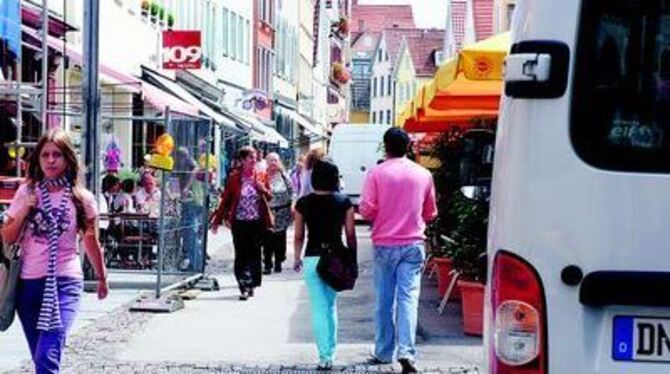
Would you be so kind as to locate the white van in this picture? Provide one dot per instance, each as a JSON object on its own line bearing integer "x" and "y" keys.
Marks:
{"x": 355, "y": 148}
{"x": 579, "y": 235}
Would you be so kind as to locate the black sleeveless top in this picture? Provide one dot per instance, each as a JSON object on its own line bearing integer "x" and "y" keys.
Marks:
{"x": 324, "y": 217}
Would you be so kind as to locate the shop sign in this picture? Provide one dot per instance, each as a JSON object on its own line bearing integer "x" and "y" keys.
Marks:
{"x": 181, "y": 49}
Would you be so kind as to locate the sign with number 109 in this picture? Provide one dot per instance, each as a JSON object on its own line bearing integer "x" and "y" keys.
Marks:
{"x": 181, "y": 50}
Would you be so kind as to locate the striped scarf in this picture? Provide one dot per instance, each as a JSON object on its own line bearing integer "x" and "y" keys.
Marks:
{"x": 49, "y": 318}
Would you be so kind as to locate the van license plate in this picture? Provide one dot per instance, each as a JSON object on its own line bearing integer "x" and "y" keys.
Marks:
{"x": 641, "y": 339}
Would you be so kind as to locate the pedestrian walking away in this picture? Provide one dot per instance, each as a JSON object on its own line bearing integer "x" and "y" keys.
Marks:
{"x": 399, "y": 198}
{"x": 306, "y": 174}
{"x": 274, "y": 240}
{"x": 46, "y": 215}
{"x": 296, "y": 173}
{"x": 323, "y": 231}
{"x": 244, "y": 208}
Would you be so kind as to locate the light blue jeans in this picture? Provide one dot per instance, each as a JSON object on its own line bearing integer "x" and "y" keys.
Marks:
{"x": 397, "y": 277}
{"x": 324, "y": 310}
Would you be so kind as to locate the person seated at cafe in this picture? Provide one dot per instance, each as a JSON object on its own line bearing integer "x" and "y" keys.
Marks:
{"x": 148, "y": 197}
{"x": 125, "y": 197}
{"x": 110, "y": 187}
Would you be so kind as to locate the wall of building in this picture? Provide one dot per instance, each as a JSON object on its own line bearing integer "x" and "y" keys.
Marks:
{"x": 231, "y": 48}
{"x": 405, "y": 77}
{"x": 381, "y": 97}
{"x": 306, "y": 58}
{"x": 321, "y": 73}
{"x": 503, "y": 14}
{"x": 285, "y": 79}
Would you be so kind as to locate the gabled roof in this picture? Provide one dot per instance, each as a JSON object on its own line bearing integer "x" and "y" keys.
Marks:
{"x": 375, "y": 18}
{"x": 365, "y": 42}
{"x": 393, "y": 38}
{"x": 422, "y": 50}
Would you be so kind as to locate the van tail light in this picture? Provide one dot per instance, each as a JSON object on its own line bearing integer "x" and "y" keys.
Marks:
{"x": 519, "y": 328}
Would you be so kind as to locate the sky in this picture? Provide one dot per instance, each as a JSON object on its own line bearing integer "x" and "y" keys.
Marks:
{"x": 427, "y": 13}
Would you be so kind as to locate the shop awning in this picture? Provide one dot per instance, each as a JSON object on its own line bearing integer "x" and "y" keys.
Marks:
{"x": 473, "y": 79}
{"x": 259, "y": 131}
{"x": 465, "y": 87}
{"x": 303, "y": 122}
{"x": 182, "y": 93}
{"x": 161, "y": 100}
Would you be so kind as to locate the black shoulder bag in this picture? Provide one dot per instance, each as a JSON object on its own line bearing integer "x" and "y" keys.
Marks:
{"x": 338, "y": 266}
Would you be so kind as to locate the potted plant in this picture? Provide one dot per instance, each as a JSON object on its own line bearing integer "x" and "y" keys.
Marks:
{"x": 161, "y": 16}
{"x": 170, "y": 21}
{"x": 145, "y": 8}
{"x": 462, "y": 220}
{"x": 154, "y": 11}
{"x": 466, "y": 247}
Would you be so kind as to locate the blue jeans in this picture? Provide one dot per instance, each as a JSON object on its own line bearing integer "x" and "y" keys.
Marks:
{"x": 324, "y": 310}
{"x": 191, "y": 223}
{"x": 397, "y": 277}
{"x": 46, "y": 347}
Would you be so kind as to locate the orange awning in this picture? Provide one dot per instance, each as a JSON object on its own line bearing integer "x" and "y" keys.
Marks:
{"x": 464, "y": 94}
{"x": 430, "y": 120}
{"x": 465, "y": 87}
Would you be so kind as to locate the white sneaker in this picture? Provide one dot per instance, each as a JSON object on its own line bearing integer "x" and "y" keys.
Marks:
{"x": 325, "y": 366}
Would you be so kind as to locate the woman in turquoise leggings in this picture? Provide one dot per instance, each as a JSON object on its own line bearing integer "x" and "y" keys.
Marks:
{"x": 324, "y": 212}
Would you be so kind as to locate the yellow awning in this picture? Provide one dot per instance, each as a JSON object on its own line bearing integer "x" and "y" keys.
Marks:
{"x": 466, "y": 85}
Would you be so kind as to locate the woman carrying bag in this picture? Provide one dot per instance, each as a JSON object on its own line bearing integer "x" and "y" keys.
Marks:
{"x": 244, "y": 208}
{"x": 324, "y": 212}
{"x": 274, "y": 241}
{"x": 50, "y": 210}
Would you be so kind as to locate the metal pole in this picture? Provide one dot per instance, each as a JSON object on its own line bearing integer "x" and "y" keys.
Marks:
{"x": 161, "y": 218}
{"x": 205, "y": 215}
{"x": 90, "y": 87}
{"x": 19, "y": 115}
{"x": 45, "y": 66}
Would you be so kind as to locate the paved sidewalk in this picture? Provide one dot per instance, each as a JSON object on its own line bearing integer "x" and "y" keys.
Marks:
{"x": 217, "y": 333}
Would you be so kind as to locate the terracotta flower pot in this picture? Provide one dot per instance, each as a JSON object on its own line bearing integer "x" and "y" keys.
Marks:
{"x": 473, "y": 307}
{"x": 444, "y": 277}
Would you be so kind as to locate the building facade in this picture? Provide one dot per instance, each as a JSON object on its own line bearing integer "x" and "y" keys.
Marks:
{"x": 362, "y": 50}
{"x": 285, "y": 77}
{"x": 387, "y": 68}
{"x": 263, "y": 57}
{"x": 504, "y": 10}
{"x": 367, "y": 24}
{"x": 417, "y": 62}
{"x": 338, "y": 99}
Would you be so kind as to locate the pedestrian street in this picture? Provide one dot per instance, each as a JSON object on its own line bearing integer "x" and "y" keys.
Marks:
{"x": 270, "y": 333}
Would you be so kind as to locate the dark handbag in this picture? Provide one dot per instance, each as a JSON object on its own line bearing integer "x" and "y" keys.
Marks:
{"x": 10, "y": 269}
{"x": 338, "y": 266}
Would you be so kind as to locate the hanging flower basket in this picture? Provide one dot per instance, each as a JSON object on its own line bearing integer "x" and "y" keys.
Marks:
{"x": 343, "y": 26}
{"x": 154, "y": 11}
{"x": 170, "y": 21}
{"x": 339, "y": 73}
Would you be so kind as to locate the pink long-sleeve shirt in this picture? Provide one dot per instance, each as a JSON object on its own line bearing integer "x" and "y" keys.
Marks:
{"x": 399, "y": 198}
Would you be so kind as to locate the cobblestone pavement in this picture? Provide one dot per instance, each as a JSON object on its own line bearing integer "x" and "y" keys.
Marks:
{"x": 94, "y": 349}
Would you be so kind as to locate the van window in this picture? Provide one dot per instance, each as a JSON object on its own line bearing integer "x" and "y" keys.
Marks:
{"x": 621, "y": 101}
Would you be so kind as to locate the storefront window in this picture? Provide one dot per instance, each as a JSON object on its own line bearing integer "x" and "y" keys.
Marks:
{"x": 621, "y": 104}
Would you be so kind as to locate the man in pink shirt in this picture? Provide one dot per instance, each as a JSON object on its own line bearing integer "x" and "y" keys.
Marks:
{"x": 399, "y": 198}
